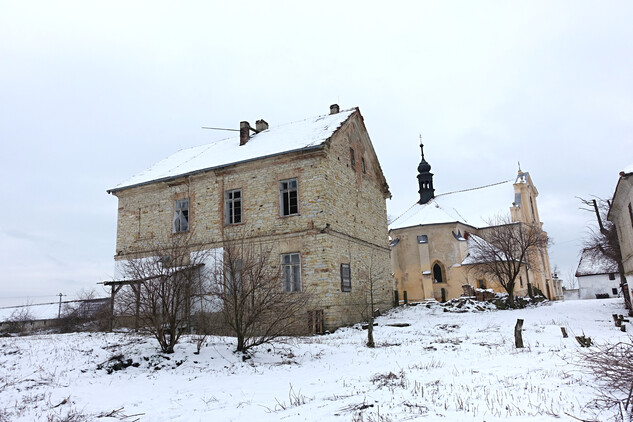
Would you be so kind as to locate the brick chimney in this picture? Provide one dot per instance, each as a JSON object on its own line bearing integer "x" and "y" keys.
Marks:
{"x": 334, "y": 109}
{"x": 245, "y": 135}
{"x": 261, "y": 125}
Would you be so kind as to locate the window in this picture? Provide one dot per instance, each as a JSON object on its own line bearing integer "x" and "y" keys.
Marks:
{"x": 611, "y": 276}
{"x": 291, "y": 272}
{"x": 346, "y": 278}
{"x": 437, "y": 274}
{"x": 614, "y": 291}
{"x": 181, "y": 215}
{"x": 422, "y": 238}
{"x": 481, "y": 284}
{"x": 521, "y": 281}
{"x": 288, "y": 197}
{"x": 352, "y": 157}
{"x": 233, "y": 206}
{"x": 362, "y": 164}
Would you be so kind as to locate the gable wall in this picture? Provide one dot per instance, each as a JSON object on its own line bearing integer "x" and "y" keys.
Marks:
{"x": 619, "y": 214}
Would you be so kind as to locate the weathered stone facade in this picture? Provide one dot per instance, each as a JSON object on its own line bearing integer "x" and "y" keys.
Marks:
{"x": 341, "y": 215}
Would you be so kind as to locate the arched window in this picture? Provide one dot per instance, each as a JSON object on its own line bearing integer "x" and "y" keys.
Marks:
{"x": 438, "y": 276}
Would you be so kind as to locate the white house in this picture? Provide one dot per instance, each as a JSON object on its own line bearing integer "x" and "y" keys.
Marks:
{"x": 597, "y": 278}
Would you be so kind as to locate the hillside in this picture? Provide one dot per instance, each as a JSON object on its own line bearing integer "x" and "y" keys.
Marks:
{"x": 445, "y": 366}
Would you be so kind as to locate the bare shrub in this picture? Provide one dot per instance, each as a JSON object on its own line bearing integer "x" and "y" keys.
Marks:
{"x": 88, "y": 313}
{"x": 248, "y": 285}
{"x": 20, "y": 320}
{"x": 612, "y": 367}
{"x": 162, "y": 285}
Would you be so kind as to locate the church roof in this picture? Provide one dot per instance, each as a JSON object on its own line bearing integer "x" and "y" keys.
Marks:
{"x": 592, "y": 265}
{"x": 470, "y": 206}
{"x": 307, "y": 134}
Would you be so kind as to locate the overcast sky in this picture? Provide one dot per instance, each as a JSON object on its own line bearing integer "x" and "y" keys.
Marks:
{"x": 92, "y": 93}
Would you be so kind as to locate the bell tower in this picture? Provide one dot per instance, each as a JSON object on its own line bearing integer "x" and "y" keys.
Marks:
{"x": 425, "y": 179}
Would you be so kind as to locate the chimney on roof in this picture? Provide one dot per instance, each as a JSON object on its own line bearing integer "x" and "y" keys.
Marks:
{"x": 261, "y": 125}
{"x": 334, "y": 109}
{"x": 245, "y": 135}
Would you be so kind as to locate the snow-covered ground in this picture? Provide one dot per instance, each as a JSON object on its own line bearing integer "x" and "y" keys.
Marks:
{"x": 445, "y": 366}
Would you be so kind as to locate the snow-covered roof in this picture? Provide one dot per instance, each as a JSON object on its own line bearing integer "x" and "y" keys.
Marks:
{"x": 471, "y": 206}
{"x": 30, "y": 312}
{"x": 305, "y": 134}
{"x": 591, "y": 265}
{"x": 628, "y": 169}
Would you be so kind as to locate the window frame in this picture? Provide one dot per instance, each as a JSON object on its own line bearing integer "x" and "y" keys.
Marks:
{"x": 346, "y": 279}
{"x": 181, "y": 214}
{"x": 294, "y": 285}
{"x": 285, "y": 197}
{"x": 352, "y": 157}
{"x": 230, "y": 205}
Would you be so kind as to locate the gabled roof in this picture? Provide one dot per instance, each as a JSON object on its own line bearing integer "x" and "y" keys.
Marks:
{"x": 307, "y": 134}
{"x": 472, "y": 207}
{"x": 591, "y": 265}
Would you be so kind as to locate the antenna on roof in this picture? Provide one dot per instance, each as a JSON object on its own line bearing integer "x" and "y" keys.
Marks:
{"x": 220, "y": 128}
{"x": 519, "y": 163}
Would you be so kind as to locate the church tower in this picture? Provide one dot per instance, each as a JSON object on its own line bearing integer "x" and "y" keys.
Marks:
{"x": 425, "y": 180}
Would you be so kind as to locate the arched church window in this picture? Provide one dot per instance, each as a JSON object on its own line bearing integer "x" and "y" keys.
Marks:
{"x": 437, "y": 274}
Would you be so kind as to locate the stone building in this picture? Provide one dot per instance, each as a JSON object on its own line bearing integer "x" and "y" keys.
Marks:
{"x": 431, "y": 247}
{"x": 621, "y": 214}
{"x": 312, "y": 190}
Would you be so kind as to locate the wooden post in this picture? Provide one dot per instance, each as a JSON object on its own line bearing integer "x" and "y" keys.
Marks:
{"x": 396, "y": 298}
{"x": 518, "y": 336}
{"x": 112, "y": 293}
{"x": 404, "y": 295}
{"x": 137, "y": 310}
{"x": 564, "y": 331}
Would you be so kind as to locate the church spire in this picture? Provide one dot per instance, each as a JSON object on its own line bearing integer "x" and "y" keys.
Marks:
{"x": 425, "y": 179}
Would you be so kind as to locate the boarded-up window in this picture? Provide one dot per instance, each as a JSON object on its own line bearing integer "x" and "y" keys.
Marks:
{"x": 346, "y": 278}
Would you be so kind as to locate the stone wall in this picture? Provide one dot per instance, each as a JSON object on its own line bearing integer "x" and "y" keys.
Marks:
{"x": 342, "y": 217}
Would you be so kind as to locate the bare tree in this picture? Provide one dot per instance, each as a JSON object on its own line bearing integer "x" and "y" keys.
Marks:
{"x": 248, "y": 284}
{"x": 368, "y": 283}
{"x": 572, "y": 281}
{"x": 163, "y": 284}
{"x": 602, "y": 243}
{"x": 502, "y": 250}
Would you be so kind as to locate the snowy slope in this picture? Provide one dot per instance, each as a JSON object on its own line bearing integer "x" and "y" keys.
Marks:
{"x": 445, "y": 366}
